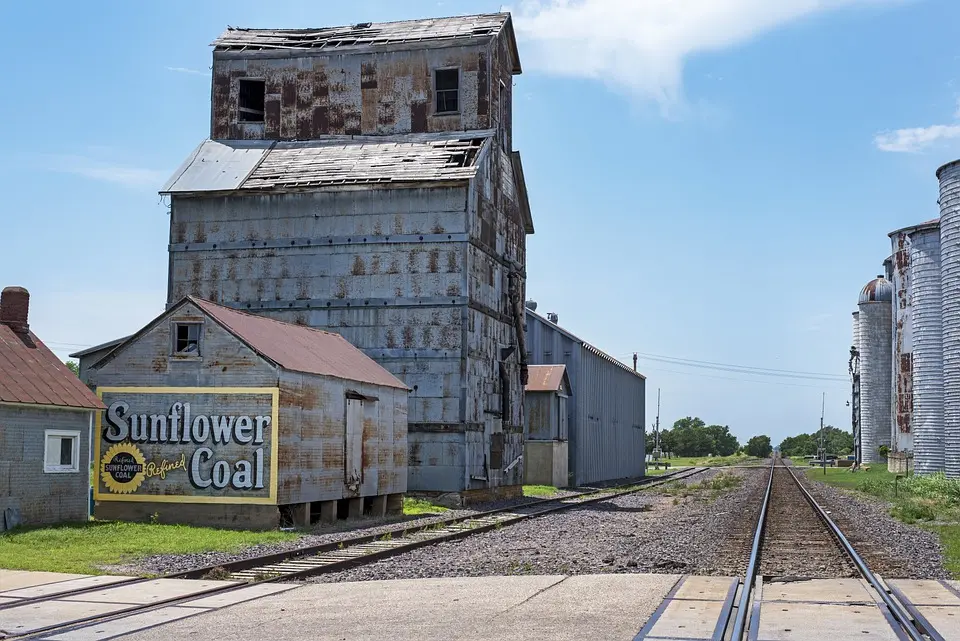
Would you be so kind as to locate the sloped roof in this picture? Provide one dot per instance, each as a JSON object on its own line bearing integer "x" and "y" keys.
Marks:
{"x": 547, "y": 378}
{"x": 31, "y": 374}
{"x": 98, "y": 348}
{"x": 371, "y": 34}
{"x": 330, "y": 161}
{"x": 300, "y": 348}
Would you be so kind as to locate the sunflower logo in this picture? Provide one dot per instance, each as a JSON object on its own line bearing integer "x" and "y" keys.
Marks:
{"x": 121, "y": 468}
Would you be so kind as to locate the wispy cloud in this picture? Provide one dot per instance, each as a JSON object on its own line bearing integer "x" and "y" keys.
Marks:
{"x": 112, "y": 172}
{"x": 196, "y": 72}
{"x": 916, "y": 139}
{"x": 640, "y": 47}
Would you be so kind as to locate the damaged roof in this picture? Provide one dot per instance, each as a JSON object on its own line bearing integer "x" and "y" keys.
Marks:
{"x": 547, "y": 378}
{"x": 31, "y": 374}
{"x": 329, "y": 162}
{"x": 453, "y": 30}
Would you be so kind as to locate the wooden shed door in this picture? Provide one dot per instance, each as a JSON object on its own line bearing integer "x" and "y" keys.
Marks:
{"x": 353, "y": 444}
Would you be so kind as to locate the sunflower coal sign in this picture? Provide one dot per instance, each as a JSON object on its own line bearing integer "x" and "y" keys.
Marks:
{"x": 187, "y": 445}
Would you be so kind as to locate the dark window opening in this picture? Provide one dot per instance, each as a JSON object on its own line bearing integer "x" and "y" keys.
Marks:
{"x": 505, "y": 408}
{"x": 447, "y": 89}
{"x": 251, "y": 100}
{"x": 66, "y": 451}
{"x": 188, "y": 339}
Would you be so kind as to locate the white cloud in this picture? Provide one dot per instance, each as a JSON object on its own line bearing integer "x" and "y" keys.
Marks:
{"x": 640, "y": 46}
{"x": 195, "y": 72}
{"x": 112, "y": 172}
{"x": 915, "y": 139}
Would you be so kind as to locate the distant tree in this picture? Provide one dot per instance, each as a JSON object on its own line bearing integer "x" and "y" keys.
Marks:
{"x": 836, "y": 441}
{"x": 759, "y": 446}
{"x": 74, "y": 367}
{"x": 724, "y": 443}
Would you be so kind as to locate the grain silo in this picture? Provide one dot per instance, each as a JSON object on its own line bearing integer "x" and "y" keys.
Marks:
{"x": 901, "y": 383}
{"x": 927, "y": 355}
{"x": 875, "y": 322}
{"x": 949, "y": 177}
{"x": 856, "y": 330}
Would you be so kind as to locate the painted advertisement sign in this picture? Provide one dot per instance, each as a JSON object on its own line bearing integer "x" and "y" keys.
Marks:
{"x": 187, "y": 445}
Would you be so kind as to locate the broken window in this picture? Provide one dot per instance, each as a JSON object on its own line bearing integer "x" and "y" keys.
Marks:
{"x": 447, "y": 89}
{"x": 187, "y": 339}
{"x": 251, "y": 100}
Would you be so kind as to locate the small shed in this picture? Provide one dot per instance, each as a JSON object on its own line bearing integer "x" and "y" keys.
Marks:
{"x": 219, "y": 417}
{"x": 46, "y": 418}
{"x": 545, "y": 411}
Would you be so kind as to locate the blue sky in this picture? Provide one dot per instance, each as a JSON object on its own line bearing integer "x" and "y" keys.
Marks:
{"x": 710, "y": 179}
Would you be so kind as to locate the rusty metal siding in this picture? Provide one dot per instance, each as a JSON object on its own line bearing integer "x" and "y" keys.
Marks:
{"x": 41, "y": 498}
{"x": 949, "y": 177}
{"x": 605, "y": 411}
{"x": 350, "y": 93}
{"x": 312, "y": 414}
{"x": 901, "y": 436}
{"x": 926, "y": 325}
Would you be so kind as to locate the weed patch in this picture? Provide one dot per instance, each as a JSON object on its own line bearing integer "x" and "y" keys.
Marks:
{"x": 419, "y": 507}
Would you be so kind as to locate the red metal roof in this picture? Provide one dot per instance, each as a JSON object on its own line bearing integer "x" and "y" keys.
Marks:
{"x": 545, "y": 378}
{"x": 31, "y": 374}
{"x": 300, "y": 348}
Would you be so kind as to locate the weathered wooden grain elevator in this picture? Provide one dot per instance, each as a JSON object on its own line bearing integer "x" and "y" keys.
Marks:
{"x": 361, "y": 179}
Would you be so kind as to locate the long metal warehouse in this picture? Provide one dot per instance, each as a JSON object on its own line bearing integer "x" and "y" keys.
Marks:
{"x": 605, "y": 410}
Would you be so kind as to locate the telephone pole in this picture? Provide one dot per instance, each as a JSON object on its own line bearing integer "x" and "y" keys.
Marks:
{"x": 823, "y": 445}
{"x": 656, "y": 436}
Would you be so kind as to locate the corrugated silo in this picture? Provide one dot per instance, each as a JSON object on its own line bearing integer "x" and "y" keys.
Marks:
{"x": 927, "y": 348}
{"x": 901, "y": 388}
{"x": 949, "y": 177}
{"x": 875, "y": 321}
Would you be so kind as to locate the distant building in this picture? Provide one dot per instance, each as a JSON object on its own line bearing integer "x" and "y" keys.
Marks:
{"x": 362, "y": 179}
{"x": 46, "y": 418}
{"x": 605, "y": 413}
{"x": 546, "y": 436}
{"x": 219, "y": 417}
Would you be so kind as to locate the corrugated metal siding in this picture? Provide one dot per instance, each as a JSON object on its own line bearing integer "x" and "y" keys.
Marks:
{"x": 605, "y": 411}
{"x": 949, "y": 177}
{"x": 856, "y": 330}
{"x": 927, "y": 352}
{"x": 901, "y": 429}
{"x": 875, "y": 376}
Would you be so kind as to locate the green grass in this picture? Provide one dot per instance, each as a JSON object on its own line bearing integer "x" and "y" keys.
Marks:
{"x": 706, "y": 461}
{"x": 421, "y": 507}
{"x": 539, "y": 491}
{"x": 85, "y": 547}
{"x": 932, "y": 502}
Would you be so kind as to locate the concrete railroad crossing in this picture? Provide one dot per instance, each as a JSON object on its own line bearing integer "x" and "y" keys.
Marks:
{"x": 656, "y": 607}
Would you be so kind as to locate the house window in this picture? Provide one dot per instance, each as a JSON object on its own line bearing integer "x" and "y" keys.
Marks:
{"x": 186, "y": 339}
{"x": 447, "y": 89}
{"x": 61, "y": 452}
{"x": 251, "y": 100}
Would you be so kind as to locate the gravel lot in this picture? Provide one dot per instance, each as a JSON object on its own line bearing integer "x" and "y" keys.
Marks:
{"x": 890, "y": 548}
{"x": 165, "y": 564}
{"x": 650, "y": 531}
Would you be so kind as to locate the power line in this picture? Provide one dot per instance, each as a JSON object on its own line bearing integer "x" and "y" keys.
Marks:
{"x": 742, "y": 369}
{"x": 744, "y": 380}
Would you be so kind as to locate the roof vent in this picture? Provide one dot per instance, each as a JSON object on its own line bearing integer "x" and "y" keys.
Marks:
{"x": 14, "y": 307}
{"x": 553, "y": 318}
{"x": 362, "y": 25}
{"x": 532, "y": 305}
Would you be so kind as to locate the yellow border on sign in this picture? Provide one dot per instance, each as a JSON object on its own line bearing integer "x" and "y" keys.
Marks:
{"x": 165, "y": 498}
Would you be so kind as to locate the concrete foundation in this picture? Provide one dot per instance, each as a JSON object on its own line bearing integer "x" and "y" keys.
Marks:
{"x": 395, "y": 504}
{"x": 355, "y": 508}
{"x": 327, "y": 511}
{"x": 230, "y": 516}
{"x": 545, "y": 463}
{"x": 900, "y": 462}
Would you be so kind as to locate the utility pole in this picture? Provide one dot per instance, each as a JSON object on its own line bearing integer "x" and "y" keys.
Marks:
{"x": 823, "y": 445}
{"x": 656, "y": 434}
{"x": 854, "y": 369}
{"x": 634, "y": 361}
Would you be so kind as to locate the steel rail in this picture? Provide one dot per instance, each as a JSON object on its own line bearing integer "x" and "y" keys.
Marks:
{"x": 743, "y": 611}
{"x": 899, "y": 613}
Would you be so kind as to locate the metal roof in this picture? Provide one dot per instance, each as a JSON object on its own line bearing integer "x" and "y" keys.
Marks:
{"x": 217, "y": 165}
{"x": 547, "y": 378}
{"x": 300, "y": 348}
{"x": 370, "y": 34}
{"x": 878, "y": 290}
{"x": 31, "y": 374}
{"x": 924, "y": 226}
{"x": 331, "y": 161}
{"x": 98, "y": 348}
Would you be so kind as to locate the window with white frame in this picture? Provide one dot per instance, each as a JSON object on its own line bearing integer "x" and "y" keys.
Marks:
{"x": 61, "y": 452}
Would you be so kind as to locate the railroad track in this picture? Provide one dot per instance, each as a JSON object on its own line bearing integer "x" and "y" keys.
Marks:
{"x": 793, "y": 531}
{"x": 304, "y": 562}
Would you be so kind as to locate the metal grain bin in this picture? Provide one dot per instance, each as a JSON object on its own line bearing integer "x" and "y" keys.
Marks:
{"x": 949, "y": 177}
{"x": 875, "y": 366}
{"x": 856, "y": 330}
{"x": 901, "y": 427}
